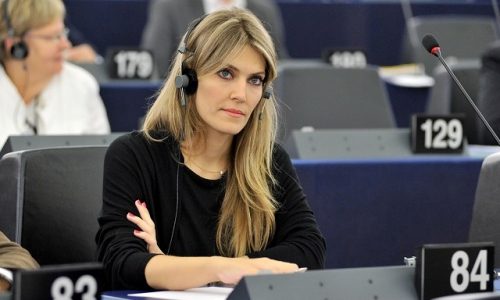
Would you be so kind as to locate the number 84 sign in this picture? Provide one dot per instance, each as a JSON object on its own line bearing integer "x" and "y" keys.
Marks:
{"x": 448, "y": 269}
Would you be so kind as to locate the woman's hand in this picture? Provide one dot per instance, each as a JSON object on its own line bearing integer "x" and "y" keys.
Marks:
{"x": 183, "y": 272}
{"x": 147, "y": 226}
{"x": 83, "y": 53}
{"x": 231, "y": 270}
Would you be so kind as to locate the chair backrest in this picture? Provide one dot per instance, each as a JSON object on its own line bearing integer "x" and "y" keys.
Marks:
{"x": 320, "y": 96}
{"x": 461, "y": 37}
{"x": 26, "y": 142}
{"x": 485, "y": 221}
{"x": 50, "y": 200}
{"x": 446, "y": 97}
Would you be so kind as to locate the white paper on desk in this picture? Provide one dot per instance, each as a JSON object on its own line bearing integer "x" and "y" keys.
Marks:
{"x": 410, "y": 80}
{"x": 203, "y": 293}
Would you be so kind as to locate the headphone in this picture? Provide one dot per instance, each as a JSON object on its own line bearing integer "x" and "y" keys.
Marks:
{"x": 19, "y": 50}
{"x": 187, "y": 81}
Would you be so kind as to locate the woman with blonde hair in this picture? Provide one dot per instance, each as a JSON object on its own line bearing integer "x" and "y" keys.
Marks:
{"x": 40, "y": 93}
{"x": 203, "y": 194}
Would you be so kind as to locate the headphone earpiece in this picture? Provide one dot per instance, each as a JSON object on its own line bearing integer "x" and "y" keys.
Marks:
{"x": 19, "y": 50}
{"x": 181, "y": 81}
{"x": 188, "y": 81}
{"x": 268, "y": 92}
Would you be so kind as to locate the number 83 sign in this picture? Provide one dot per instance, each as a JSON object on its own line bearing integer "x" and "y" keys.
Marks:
{"x": 448, "y": 269}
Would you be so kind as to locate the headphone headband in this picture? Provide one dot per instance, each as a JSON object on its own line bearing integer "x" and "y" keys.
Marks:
{"x": 187, "y": 80}
{"x": 182, "y": 47}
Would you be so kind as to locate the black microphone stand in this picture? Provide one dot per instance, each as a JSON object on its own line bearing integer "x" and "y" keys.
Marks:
{"x": 464, "y": 92}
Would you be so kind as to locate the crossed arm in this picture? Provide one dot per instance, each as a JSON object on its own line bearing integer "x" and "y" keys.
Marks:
{"x": 196, "y": 271}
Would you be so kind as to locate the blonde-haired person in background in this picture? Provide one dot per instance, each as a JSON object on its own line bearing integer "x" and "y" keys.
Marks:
{"x": 203, "y": 194}
{"x": 39, "y": 92}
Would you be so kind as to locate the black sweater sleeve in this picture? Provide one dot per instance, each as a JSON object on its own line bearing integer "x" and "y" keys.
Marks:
{"x": 124, "y": 256}
{"x": 297, "y": 237}
{"x": 132, "y": 169}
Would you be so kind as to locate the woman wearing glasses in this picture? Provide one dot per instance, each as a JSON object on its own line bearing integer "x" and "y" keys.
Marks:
{"x": 39, "y": 92}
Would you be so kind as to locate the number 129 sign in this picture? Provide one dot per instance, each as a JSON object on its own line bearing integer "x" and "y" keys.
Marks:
{"x": 437, "y": 134}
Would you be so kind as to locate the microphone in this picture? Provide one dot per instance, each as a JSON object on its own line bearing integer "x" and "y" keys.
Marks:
{"x": 432, "y": 46}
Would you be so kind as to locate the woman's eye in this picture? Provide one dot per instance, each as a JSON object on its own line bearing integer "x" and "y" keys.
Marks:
{"x": 226, "y": 74}
{"x": 256, "y": 81}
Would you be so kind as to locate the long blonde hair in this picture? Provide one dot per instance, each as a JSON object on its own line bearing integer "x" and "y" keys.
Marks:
{"x": 24, "y": 15}
{"x": 246, "y": 221}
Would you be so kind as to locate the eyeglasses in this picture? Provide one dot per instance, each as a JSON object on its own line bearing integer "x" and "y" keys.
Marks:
{"x": 52, "y": 38}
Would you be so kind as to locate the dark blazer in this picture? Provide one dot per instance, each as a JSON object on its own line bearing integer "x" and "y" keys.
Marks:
{"x": 168, "y": 21}
{"x": 489, "y": 93}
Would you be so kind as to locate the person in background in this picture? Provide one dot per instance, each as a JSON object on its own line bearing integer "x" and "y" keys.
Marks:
{"x": 489, "y": 93}
{"x": 81, "y": 51}
{"x": 39, "y": 92}
{"x": 167, "y": 20}
{"x": 203, "y": 193}
{"x": 12, "y": 257}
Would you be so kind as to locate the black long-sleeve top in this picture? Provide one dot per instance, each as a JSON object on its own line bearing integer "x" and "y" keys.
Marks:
{"x": 136, "y": 168}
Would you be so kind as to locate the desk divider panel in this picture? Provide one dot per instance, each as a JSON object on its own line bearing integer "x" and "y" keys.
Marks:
{"x": 349, "y": 143}
{"x": 381, "y": 283}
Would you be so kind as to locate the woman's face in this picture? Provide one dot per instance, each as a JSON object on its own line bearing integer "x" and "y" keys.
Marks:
{"x": 226, "y": 98}
{"x": 47, "y": 45}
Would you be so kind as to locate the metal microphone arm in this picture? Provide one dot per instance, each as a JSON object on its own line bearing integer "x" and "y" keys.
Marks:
{"x": 464, "y": 92}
